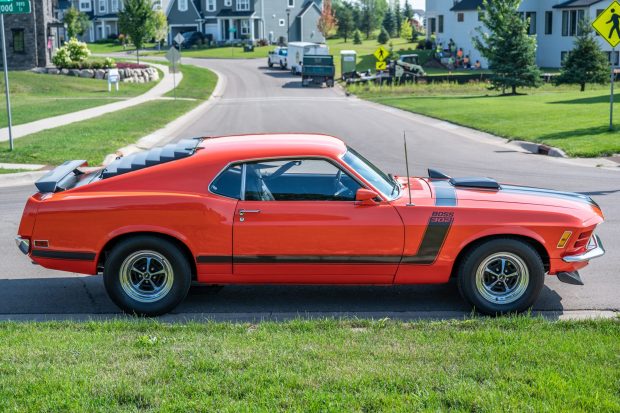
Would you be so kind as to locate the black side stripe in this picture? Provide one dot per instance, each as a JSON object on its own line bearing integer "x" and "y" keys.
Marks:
{"x": 434, "y": 237}
{"x": 64, "y": 255}
{"x": 445, "y": 193}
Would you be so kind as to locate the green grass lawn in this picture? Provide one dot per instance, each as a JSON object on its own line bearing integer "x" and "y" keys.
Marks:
{"x": 36, "y": 96}
{"x": 481, "y": 365}
{"x": 574, "y": 121}
{"x": 93, "y": 139}
{"x": 12, "y": 171}
{"x": 102, "y": 48}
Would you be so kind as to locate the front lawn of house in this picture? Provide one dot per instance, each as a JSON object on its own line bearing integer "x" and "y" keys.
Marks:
{"x": 36, "y": 96}
{"x": 574, "y": 121}
{"x": 93, "y": 139}
{"x": 482, "y": 365}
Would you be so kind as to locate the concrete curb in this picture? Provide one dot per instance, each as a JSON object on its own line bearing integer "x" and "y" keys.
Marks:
{"x": 165, "y": 134}
{"x": 20, "y": 178}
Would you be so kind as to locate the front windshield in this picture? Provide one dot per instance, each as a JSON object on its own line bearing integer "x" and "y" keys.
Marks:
{"x": 384, "y": 183}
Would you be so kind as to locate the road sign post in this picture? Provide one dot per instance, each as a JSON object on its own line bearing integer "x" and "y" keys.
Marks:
{"x": 173, "y": 56}
{"x": 10, "y": 7}
{"x": 607, "y": 24}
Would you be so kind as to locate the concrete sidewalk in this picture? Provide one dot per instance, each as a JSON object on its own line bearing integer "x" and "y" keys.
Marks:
{"x": 165, "y": 85}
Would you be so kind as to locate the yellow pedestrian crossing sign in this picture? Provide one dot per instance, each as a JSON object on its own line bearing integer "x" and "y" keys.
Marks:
{"x": 381, "y": 65}
{"x": 607, "y": 24}
{"x": 381, "y": 54}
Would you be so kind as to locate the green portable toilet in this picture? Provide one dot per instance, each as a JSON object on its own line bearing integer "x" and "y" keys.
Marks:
{"x": 348, "y": 59}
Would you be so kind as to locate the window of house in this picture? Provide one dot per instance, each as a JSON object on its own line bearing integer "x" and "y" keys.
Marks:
{"x": 19, "y": 45}
{"x": 211, "y": 5}
{"x": 440, "y": 23}
{"x": 243, "y": 5}
{"x": 102, "y": 6}
{"x": 531, "y": 17}
{"x": 571, "y": 20}
{"x": 298, "y": 180}
{"x": 114, "y": 6}
{"x": 460, "y": 17}
{"x": 291, "y": 3}
{"x": 182, "y": 5}
{"x": 480, "y": 15}
{"x": 245, "y": 26}
{"x": 598, "y": 13}
{"x": 432, "y": 25}
{"x": 228, "y": 183}
{"x": 281, "y": 23}
{"x": 85, "y": 5}
{"x": 548, "y": 22}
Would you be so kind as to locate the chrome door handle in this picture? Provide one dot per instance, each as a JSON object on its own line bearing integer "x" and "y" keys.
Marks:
{"x": 248, "y": 211}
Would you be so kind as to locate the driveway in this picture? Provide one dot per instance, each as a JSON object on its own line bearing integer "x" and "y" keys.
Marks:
{"x": 258, "y": 99}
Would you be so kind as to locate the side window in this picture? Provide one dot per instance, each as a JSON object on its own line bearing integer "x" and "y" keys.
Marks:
{"x": 228, "y": 183}
{"x": 298, "y": 180}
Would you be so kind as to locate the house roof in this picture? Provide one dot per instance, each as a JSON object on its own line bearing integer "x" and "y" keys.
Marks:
{"x": 307, "y": 7}
{"x": 569, "y": 4}
{"x": 465, "y": 5}
{"x": 234, "y": 13}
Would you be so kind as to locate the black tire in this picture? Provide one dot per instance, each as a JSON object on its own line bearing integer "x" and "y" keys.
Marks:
{"x": 269, "y": 63}
{"x": 132, "y": 248}
{"x": 520, "y": 255}
{"x": 282, "y": 65}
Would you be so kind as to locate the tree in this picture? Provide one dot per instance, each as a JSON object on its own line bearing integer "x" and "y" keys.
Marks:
{"x": 384, "y": 36}
{"x": 406, "y": 31}
{"x": 137, "y": 20}
{"x": 371, "y": 15}
{"x": 389, "y": 23}
{"x": 398, "y": 16}
{"x": 77, "y": 22}
{"x": 160, "y": 27}
{"x": 327, "y": 21}
{"x": 357, "y": 37}
{"x": 408, "y": 11}
{"x": 586, "y": 63}
{"x": 508, "y": 47}
{"x": 344, "y": 15}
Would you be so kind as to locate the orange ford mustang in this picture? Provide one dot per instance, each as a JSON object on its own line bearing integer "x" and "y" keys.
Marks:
{"x": 299, "y": 209}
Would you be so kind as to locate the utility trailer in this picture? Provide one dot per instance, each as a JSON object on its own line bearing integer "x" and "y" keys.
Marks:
{"x": 318, "y": 69}
{"x": 297, "y": 51}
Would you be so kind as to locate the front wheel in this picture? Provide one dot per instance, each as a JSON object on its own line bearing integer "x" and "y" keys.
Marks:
{"x": 501, "y": 276}
{"x": 269, "y": 63}
{"x": 147, "y": 276}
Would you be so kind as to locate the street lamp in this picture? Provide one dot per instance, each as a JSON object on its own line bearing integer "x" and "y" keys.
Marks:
{"x": 288, "y": 25}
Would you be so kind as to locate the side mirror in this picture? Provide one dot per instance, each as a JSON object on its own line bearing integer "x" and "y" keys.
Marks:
{"x": 366, "y": 196}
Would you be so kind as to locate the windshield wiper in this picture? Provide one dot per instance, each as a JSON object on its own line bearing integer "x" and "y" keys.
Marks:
{"x": 396, "y": 184}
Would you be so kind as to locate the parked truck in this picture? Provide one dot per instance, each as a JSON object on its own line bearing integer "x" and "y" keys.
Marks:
{"x": 318, "y": 69}
{"x": 297, "y": 51}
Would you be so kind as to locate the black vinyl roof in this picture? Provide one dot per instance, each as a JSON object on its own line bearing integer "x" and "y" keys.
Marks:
{"x": 466, "y": 5}
{"x": 575, "y": 3}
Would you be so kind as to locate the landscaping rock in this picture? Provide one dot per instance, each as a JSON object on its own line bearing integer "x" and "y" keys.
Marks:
{"x": 52, "y": 71}
{"x": 87, "y": 73}
{"x": 74, "y": 72}
{"x": 100, "y": 73}
{"x": 64, "y": 72}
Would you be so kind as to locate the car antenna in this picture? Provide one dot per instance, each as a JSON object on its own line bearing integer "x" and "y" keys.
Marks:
{"x": 407, "y": 167}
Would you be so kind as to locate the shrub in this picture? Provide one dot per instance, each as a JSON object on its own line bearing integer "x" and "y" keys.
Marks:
{"x": 124, "y": 65}
{"x": 95, "y": 65}
{"x": 383, "y": 37}
{"x": 78, "y": 51}
{"x": 61, "y": 58}
{"x": 108, "y": 62}
{"x": 357, "y": 37}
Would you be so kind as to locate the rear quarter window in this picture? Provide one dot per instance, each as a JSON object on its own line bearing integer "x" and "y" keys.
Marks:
{"x": 228, "y": 183}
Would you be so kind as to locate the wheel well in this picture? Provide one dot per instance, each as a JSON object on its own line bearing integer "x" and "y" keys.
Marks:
{"x": 540, "y": 249}
{"x": 111, "y": 243}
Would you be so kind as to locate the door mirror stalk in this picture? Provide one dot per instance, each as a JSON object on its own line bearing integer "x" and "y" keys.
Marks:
{"x": 366, "y": 197}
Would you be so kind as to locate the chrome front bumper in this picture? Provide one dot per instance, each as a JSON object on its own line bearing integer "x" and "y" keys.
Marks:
{"x": 595, "y": 250}
{"x": 23, "y": 244}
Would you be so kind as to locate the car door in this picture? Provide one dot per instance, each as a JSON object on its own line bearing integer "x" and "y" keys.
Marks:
{"x": 298, "y": 222}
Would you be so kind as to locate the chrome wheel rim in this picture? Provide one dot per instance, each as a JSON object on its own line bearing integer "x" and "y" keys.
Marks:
{"x": 146, "y": 276}
{"x": 502, "y": 278}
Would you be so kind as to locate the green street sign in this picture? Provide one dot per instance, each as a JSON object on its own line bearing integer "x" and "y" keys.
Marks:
{"x": 15, "y": 7}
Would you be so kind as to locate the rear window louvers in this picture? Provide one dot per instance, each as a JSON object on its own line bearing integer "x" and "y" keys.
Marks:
{"x": 155, "y": 156}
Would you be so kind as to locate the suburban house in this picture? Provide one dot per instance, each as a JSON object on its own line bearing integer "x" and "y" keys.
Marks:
{"x": 231, "y": 20}
{"x": 222, "y": 20}
{"x": 554, "y": 22}
{"x": 32, "y": 38}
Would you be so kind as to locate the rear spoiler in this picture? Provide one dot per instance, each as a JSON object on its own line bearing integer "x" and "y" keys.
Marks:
{"x": 61, "y": 177}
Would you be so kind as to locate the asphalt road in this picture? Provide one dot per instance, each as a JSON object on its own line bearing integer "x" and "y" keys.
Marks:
{"x": 258, "y": 99}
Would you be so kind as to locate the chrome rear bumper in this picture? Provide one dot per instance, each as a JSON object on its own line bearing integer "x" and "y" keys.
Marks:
{"x": 595, "y": 250}
{"x": 23, "y": 244}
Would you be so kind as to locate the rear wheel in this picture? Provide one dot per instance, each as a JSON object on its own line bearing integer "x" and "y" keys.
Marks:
{"x": 269, "y": 63}
{"x": 147, "y": 275}
{"x": 501, "y": 276}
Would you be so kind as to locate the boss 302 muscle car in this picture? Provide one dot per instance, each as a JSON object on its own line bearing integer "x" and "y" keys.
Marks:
{"x": 299, "y": 209}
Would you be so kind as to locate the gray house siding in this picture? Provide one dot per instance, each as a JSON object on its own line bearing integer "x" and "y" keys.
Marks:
{"x": 308, "y": 30}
